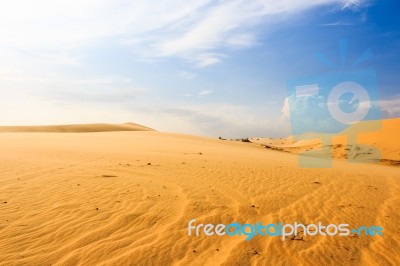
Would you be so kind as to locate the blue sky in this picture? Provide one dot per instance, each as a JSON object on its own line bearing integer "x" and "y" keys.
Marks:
{"x": 215, "y": 68}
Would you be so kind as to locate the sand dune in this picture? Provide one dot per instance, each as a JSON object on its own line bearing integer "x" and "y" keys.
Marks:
{"x": 384, "y": 140}
{"x": 125, "y": 198}
{"x": 76, "y": 128}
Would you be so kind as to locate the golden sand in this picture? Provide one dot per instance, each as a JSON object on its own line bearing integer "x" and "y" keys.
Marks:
{"x": 125, "y": 198}
{"x": 385, "y": 140}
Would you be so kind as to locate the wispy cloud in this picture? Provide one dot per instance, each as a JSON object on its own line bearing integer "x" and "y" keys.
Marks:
{"x": 14, "y": 75}
{"x": 242, "y": 40}
{"x": 354, "y": 4}
{"x": 187, "y": 75}
{"x": 336, "y": 24}
{"x": 196, "y": 31}
{"x": 105, "y": 80}
{"x": 216, "y": 119}
{"x": 205, "y": 93}
{"x": 206, "y": 59}
{"x": 391, "y": 107}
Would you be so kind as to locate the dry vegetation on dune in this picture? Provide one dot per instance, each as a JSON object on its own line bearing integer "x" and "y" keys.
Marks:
{"x": 125, "y": 198}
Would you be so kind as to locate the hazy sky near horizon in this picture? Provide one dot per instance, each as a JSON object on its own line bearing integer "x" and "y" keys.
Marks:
{"x": 216, "y": 68}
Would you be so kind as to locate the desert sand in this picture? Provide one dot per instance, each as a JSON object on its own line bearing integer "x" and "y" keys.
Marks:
{"x": 126, "y": 197}
{"x": 83, "y": 128}
{"x": 385, "y": 140}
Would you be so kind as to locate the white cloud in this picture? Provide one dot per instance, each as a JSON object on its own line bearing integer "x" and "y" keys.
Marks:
{"x": 205, "y": 93}
{"x": 9, "y": 74}
{"x": 14, "y": 75}
{"x": 242, "y": 40}
{"x": 206, "y": 59}
{"x": 187, "y": 75}
{"x": 65, "y": 112}
{"x": 5, "y": 71}
{"x": 213, "y": 119}
{"x": 337, "y": 24}
{"x": 193, "y": 30}
{"x": 351, "y": 4}
{"x": 59, "y": 58}
{"x": 285, "y": 109}
{"x": 105, "y": 80}
{"x": 391, "y": 107}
